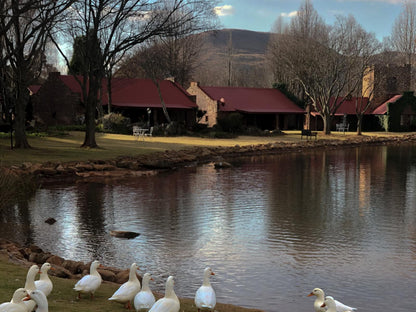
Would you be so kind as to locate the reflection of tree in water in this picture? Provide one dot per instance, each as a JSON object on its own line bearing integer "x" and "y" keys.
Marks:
{"x": 15, "y": 223}
{"x": 91, "y": 216}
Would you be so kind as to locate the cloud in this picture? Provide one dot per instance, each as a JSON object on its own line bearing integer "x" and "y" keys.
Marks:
{"x": 291, "y": 14}
{"x": 224, "y": 10}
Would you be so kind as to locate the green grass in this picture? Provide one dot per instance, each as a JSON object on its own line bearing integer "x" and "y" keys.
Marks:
{"x": 64, "y": 298}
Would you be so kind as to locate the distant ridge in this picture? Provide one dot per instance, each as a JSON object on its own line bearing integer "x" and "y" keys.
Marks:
{"x": 247, "y": 56}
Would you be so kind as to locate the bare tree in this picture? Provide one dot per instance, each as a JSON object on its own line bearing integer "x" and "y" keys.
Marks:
{"x": 403, "y": 34}
{"x": 327, "y": 62}
{"x": 113, "y": 27}
{"x": 24, "y": 28}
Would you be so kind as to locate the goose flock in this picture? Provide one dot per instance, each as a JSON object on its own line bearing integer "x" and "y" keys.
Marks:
{"x": 33, "y": 296}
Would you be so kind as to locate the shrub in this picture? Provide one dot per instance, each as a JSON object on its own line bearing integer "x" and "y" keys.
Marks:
{"x": 231, "y": 122}
{"x": 116, "y": 123}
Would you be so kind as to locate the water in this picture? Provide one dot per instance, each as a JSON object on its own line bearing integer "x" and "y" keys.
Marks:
{"x": 272, "y": 228}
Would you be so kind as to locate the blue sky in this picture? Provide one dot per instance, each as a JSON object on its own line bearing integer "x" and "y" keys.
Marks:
{"x": 259, "y": 15}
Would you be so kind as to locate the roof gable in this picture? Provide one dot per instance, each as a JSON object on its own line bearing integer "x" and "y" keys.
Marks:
{"x": 382, "y": 109}
{"x": 252, "y": 100}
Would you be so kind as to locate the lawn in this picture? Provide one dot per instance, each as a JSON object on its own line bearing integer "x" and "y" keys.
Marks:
{"x": 66, "y": 147}
{"x": 64, "y": 298}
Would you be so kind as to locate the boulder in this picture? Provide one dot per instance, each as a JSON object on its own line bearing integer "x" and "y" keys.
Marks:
{"x": 55, "y": 260}
{"x": 107, "y": 275}
{"x": 124, "y": 234}
{"x": 75, "y": 267}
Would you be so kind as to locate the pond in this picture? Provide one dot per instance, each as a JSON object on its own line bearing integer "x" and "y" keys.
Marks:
{"x": 272, "y": 228}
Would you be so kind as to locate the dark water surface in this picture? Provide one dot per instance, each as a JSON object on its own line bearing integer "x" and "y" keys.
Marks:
{"x": 272, "y": 228}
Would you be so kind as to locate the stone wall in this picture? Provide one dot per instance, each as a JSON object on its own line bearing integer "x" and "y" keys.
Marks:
{"x": 205, "y": 103}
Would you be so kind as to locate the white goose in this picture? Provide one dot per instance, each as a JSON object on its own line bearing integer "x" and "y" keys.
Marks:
{"x": 170, "y": 302}
{"x": 320, "y": 298}
{"x": 332, "y": 305}
{"x": 91, "y": 282}
{"x": 30, "y": 285}
{"x": 144, "y": 299}
{"x": 44, "y": 283}
{"x": 16, "y": 304}
{"x": 205, "y": 295}
{"x": 129, "y": 289}
{"x": 39, "y": 297}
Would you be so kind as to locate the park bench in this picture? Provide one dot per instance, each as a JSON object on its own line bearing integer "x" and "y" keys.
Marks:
{"x": 308, "y": 134}
{"x": 342, "y": 127}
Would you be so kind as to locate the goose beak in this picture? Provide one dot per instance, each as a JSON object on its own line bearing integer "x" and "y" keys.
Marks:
{"x": 311, "y": 294}
{"x": 212, "y": 273}
{"x": 27, "y": 298}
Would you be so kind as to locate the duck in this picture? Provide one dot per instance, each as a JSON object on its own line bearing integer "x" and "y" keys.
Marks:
{"x": 170, "y": 302}
{"x": 129, "y": 289}
{"x": 205, "y": 295}
{"x": 39, "y": 297}
{"x": 91, "y": 282}
{"x": 16, "y": 304}
{"x": 144, "y": 299}
{"x": 320, "y": 298}
{"x": 30, "y": 285}
{"x": 44, "y": 283}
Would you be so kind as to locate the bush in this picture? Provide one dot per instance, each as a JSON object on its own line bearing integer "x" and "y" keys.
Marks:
{"x": 231, "y": 122}
{"x": 116, "y": 123}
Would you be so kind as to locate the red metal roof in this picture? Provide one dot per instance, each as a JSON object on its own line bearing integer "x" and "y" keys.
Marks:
{"x": 128, "y": 92}
{"x": 348, "y": 107}
{"x": 144, "y": 93}
{"x": 382, "y": 109}
{"x": 252, "y": 100}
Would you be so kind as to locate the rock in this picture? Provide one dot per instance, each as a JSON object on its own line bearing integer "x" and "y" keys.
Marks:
{"x": 107, "y": 275}
{"x": 124, "y": 234}
{"x": 222, "y": 164}
{"x": 75, "y": 267}
{"x": 122, "y": 277}
{"x": 103, "y": 167}
{"x": 59, "y": 271}
{"x": 55, "y": 260}
{"x": 50, "y": 221}
{"x": 38, "y": 258}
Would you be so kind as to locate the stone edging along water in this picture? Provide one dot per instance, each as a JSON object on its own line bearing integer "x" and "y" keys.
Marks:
{"x": 145, "y": 165}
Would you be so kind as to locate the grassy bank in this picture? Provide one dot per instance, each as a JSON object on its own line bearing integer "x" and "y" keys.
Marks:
{"x": 66, "y": 148}
{"x": 64, "y": 298}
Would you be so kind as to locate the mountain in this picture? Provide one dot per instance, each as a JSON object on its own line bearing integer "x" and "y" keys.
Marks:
{"x": 234, "y": 55}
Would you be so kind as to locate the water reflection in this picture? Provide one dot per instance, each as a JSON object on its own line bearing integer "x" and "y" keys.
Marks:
{"x": 272, "y": 228}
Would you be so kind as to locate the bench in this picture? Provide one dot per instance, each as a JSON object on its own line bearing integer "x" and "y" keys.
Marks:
{"x": 308, "y": 134}
{"x": 342, "y": 127}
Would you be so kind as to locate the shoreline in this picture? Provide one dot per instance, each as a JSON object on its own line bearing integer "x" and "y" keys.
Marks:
{"x": 25, "y": 256}
{"x": 154, "y": 163}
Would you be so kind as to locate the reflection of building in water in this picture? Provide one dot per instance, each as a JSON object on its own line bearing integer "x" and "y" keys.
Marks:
{"x": 364, "y": 185}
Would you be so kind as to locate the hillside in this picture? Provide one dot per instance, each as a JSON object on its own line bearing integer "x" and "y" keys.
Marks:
{"x": 235, "y": 53}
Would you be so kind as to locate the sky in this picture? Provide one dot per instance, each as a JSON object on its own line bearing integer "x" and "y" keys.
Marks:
{"x": 375, "y": 16}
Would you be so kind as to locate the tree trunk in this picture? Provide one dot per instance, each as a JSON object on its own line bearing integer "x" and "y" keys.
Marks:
{"x": 90, "y": 108}
{"x": 165, "y": 111}
{"x": 327, "y": 123}
{"x": 20, "y": 118}
{"x": 359, "y": 123}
